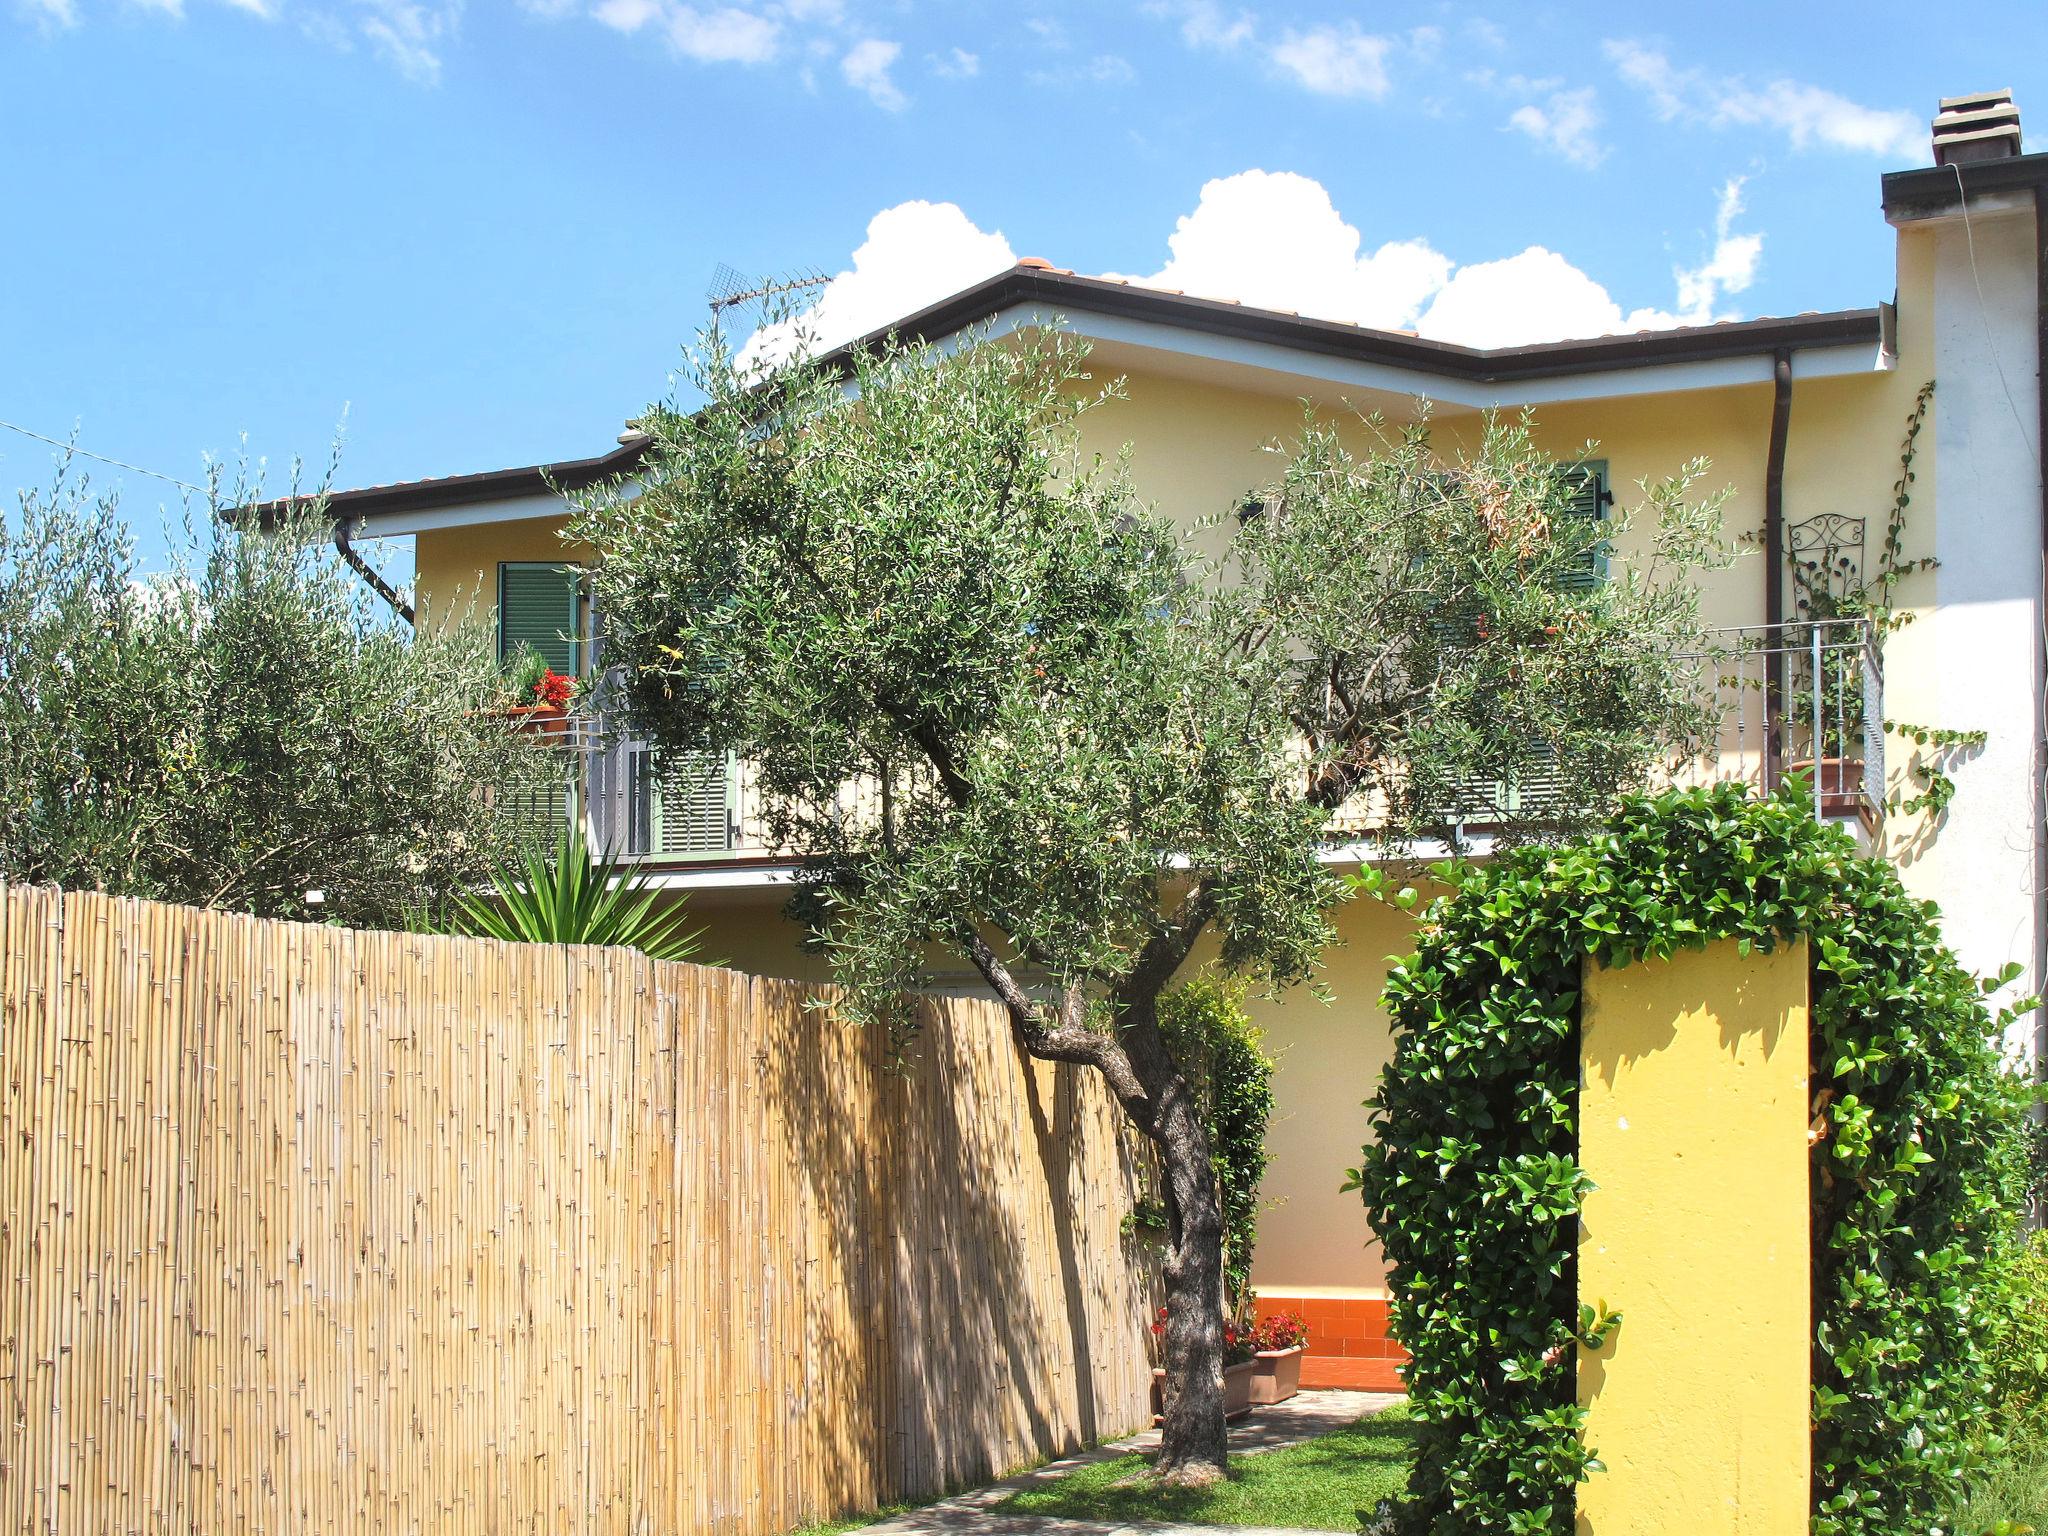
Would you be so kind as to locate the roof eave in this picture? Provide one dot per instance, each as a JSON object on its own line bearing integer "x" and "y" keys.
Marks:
{"x": 1931, "y": 190}
{"x": 1059, "y": 291}
{"x": 461, "y": 490}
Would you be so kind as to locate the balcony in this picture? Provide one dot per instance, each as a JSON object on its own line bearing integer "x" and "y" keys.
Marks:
{"x": 1801, "y": 699}
{"x": 1795, "y": 699}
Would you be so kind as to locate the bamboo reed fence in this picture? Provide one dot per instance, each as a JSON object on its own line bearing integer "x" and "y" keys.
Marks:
{"x": 311, "y": 1230}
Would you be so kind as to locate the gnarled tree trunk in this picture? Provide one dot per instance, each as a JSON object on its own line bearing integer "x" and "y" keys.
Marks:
{"x": 1149, "y": 1085}
{"x": 1192, "y": 1439}
{"x": 1192, "y": 1443}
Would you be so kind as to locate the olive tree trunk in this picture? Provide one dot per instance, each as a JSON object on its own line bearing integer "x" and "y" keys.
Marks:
{"x": 1192, "y": 1442}
{"x": 1192, "y": 1438}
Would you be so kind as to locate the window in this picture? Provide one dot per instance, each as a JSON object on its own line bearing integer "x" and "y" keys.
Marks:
{"x": 1477, "y": 798}
{"x": 1586, "y": 485}
{"x": 681, "y": 805}
{"x": 540, "y": 604}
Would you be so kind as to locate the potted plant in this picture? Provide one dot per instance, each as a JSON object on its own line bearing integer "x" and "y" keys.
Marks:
{"x": 1278, "y": 1343}
{"x": 1240, "y": 1369}
{"x": 540, "y": 696}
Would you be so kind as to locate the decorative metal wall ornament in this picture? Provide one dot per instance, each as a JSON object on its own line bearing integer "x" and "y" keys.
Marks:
{"x": 1826, "y": 558}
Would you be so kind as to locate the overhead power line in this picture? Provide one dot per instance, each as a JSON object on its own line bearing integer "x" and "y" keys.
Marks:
{"x": 101, "y": 458}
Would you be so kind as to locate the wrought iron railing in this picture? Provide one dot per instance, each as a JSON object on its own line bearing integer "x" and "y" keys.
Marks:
{"x": 1803, "y": 698}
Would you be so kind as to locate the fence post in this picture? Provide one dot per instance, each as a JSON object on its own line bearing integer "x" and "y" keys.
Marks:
{"x": 1692, "y": 1123}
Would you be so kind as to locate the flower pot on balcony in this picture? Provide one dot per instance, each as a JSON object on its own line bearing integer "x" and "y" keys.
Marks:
{"x": 1276, "y": 1374}
{"x": 547, "y": 721}
{"x": 1840, "y": 785}
{"x": 1237, "y": 1390}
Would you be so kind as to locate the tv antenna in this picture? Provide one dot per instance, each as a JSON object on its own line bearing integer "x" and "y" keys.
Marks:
{"x": 730, "y": 289}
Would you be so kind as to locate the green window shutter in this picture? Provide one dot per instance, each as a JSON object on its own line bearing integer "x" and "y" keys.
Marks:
{"x": 1588, "y": 498}
{"x": 540, "y": 605}
{"x": 681, "y": 806}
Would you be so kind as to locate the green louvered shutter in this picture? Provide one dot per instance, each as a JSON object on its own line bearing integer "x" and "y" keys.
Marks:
{"x": 540, "y": 605}
{"x": 1589, "y": 497}
{"x": 681, "y": 807}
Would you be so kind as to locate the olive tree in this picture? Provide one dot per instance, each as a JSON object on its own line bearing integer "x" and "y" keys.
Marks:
{"x": 244, "y": 727}
{"x": 1004, "y": 710}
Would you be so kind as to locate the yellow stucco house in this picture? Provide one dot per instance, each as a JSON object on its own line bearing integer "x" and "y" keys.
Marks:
{"x": 1801, "y": 416}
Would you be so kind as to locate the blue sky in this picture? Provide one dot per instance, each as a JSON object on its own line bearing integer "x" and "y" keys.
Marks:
{"x": 486, "y": 229}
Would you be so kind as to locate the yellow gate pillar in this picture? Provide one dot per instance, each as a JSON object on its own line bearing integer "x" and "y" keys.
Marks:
{"x": 1692, "y": 1122}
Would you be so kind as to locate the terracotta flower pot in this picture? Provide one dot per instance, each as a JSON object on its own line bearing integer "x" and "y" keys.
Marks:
{"x": 1237, "y": 1390}
{"x": 547, "y": 721}
{"x": 1276, "y": 1374}
{"x": 1840, "y": 785}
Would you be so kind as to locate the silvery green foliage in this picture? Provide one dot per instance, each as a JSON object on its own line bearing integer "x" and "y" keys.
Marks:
{"x": 989, "y": 690}
{"x": 243, "y": 728}
{"x": 1008, "y": 714}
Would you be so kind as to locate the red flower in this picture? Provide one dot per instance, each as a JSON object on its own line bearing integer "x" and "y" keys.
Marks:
{"x": 551, "y": 690}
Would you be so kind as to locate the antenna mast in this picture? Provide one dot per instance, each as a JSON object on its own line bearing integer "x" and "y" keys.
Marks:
{"x": 730, "y": 290}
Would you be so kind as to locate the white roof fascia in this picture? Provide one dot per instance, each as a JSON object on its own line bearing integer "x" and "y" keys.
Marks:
{"x": 1360, "y": 374}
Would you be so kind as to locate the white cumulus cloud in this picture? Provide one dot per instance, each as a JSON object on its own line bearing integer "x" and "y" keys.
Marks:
{"x": 1567, "y": 123}
{"x": 915, "y": 254}
{"x": 724, "y": 36}
{"x": 1807, "y": 115}
{"x": 1205, "y": 23}
{"x": 1538, "y": 295}
{"x": 410, "y": 37}
{"x": 1275, "y": 240}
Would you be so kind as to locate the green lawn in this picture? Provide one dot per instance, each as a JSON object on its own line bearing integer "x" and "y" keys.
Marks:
{"x": 1321, "y": 1484}
{"x": 2013, "y": 1490}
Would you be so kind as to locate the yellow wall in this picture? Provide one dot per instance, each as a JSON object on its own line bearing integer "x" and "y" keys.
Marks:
{"x": 1692, "y": 1125}
{"x": 1314, "y": 1240}
{"x": 455, "y": 570}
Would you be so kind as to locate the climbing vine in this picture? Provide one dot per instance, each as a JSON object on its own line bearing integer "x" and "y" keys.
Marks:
{"x": 1223, "y": 1056}
{"x": 1474, "y": 1186}
{"x": 1836, "y": 590}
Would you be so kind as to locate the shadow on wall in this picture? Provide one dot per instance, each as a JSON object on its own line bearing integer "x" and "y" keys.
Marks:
{"x": 302, "y": 1227}
{"x": 976, "y": 1284}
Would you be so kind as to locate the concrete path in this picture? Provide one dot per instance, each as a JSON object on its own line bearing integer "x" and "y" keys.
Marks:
{"x": 1302, "y": 1417}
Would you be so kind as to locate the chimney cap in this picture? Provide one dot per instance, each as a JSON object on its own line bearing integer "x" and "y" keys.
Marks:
{"x": 1976, "y": 99}
{"x": 1982, "y": 126}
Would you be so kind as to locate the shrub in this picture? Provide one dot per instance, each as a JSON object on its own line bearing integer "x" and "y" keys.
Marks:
{"x": 245, "y": 728}
{"x": 1222, "y": 1054}
{"x": 1474, "y": 1187}
{"x": 2019, "y": 1339}
{"x": 565, "y": 896}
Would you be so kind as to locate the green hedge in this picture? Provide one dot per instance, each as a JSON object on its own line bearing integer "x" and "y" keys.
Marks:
{"x": 1473, "y": 1183}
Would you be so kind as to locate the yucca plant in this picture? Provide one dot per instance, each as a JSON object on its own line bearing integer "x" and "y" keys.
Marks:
{"x": 564, "y": 895}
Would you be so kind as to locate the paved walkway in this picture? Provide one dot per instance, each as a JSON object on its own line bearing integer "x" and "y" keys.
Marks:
{"x": 1302, "y": 1417}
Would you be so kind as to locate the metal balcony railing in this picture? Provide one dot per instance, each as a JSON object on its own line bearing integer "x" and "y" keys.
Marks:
{"x": 1803, "y": 698}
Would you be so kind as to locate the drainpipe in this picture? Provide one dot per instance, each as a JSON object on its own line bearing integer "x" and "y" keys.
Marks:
{"x": 344, "y": 530}
{"x": 2040, "y": 978}
{"x": 1774, "y": 565}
